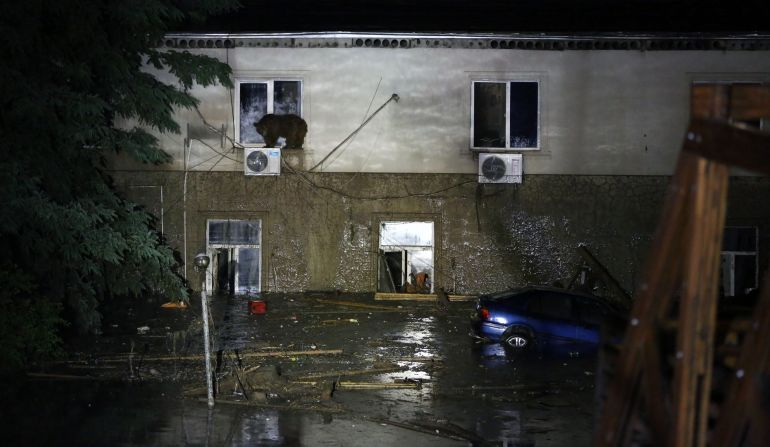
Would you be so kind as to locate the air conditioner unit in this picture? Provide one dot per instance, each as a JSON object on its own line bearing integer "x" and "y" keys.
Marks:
{"x": 262, "y": 161}
{"x": 500, "y": 168}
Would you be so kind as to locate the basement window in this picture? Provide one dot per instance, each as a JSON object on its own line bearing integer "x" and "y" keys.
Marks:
{"x": 257, "y": 98}
{"x": 739, "y": 261}
{"x": 505, "y": 115}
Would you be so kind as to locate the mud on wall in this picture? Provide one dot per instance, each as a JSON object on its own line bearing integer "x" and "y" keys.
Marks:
{"x": 320, "y": 230}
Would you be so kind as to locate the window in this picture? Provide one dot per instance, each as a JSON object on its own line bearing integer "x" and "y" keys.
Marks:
{"x": 590, "y": 312}
{"x": 551, "y": 305}
{"x": 739, "y": 260}
{"x": 225, "y": 233}
{"x": 505, "y": 115}
{"x": 256, "y": 98}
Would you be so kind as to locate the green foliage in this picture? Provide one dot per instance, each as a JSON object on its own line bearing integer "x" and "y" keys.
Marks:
{"x": 70, "y": 67}
{"x": 28, "y": 323}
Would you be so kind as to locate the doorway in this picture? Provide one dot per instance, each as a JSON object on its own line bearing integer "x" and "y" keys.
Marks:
{"x": 234, "y": 247}
{"x": 405, "y": 261}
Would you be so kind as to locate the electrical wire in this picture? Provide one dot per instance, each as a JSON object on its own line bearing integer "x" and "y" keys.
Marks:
{"x": 393, "y": 97}
{"x": 306, "y": 179}
{"x": 366, "y": 114}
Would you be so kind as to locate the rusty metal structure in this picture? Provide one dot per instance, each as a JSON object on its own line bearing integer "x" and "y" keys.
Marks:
{"x": 665, "y": 389}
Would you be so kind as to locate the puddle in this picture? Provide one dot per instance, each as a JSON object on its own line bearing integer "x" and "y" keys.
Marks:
{"x": 473, "y": 390}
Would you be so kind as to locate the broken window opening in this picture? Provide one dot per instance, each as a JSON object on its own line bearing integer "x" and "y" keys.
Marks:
{"x": 234, "y": 247}
{"x": 406, "y": 257}
{"x": 740, "y": 269}
{"x": 257, "y": 98}
{"x": 505, "y": 115}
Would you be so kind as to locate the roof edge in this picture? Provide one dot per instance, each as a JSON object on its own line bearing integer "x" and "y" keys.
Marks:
{"x": 517, "y": 41}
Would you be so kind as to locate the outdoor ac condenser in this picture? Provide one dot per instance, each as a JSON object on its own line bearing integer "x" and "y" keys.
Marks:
{"x": 500, "y": 168}
{"x": 262, "y": 161}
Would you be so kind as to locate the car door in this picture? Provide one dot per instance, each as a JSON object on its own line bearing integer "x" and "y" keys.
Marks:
{"x": 590, "y": 314}
{"x": 553, "y": 317}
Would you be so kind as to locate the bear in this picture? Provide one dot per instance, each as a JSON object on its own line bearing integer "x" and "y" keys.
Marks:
{"x": 291, "y": 127}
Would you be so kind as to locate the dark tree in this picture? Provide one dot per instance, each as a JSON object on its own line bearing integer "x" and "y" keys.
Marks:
{"x": 69, "y": 69}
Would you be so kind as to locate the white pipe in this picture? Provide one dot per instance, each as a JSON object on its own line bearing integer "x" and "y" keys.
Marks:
{"x": 206, "y": 349}
{"x": 184, "y": 200}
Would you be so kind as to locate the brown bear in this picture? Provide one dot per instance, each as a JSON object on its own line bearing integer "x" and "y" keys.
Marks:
{"x": 291, "y": 127}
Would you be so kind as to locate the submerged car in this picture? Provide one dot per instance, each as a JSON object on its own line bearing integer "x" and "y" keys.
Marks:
{"x": 522, "y": 318}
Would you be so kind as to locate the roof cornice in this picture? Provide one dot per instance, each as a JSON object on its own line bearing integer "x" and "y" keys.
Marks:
{"x": 514, "y": 41}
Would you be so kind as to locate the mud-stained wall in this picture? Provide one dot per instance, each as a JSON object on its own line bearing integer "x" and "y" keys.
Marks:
{"x": 320, "y": 230}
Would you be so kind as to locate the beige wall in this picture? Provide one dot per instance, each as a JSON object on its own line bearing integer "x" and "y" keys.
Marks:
{"x": 602, "y": 112}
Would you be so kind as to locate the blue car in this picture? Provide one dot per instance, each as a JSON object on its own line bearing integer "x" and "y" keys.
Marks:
{"x": 522, "y": 318}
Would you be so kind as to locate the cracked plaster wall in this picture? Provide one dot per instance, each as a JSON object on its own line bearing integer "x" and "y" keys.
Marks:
{"x": 488, "y": 237}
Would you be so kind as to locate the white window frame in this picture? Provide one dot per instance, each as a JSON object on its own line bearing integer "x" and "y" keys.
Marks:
{"x": 270, "y": 82}
{"x": 730, "y": 257}
{"x": 507, "y": 82}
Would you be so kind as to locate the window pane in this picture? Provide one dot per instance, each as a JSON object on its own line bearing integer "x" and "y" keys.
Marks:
{"x": 406, "y": 234}
{"x": 248, "y": 270}
{"x": 218, "y": 232}
{"x": 559, "y": 306}
{"x": 488, "y": 114}
{"x": 253, "y": 102}
{"x": 524, "y": 106}
{"x": 591, "y": 313}
{"x": 234, "y": 232}
{"x": 745, "y": 274}
{"x": 740, "y": 239}
{"x": 287, "y": 98}
{"x": 421, "y": 261}
{"x": 536, "y": 306}
{"x": 243, "y": 232}
{"x": 552, "y": 306}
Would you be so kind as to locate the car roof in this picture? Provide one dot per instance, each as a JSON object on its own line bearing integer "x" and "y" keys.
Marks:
{"x": 525, "y": 289}
{"x": 535, "y": 288}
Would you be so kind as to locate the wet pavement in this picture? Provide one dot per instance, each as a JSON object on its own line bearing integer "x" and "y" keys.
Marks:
{"x": 402, "y": 373}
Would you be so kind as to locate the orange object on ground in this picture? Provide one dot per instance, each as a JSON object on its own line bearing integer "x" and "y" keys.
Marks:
{"x": 174, "y": 305}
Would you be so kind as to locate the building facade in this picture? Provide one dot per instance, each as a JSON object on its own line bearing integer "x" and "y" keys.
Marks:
{"x": 472, "y": 163}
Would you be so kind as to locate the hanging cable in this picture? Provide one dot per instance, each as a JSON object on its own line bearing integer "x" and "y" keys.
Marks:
{"x": 393, "y": 97}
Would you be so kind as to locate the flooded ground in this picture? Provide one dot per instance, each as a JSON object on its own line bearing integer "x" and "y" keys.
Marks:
{"x": 321, "y": 369}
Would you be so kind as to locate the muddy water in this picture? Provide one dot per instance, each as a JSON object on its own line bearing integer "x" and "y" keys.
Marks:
{"x": 462, "y": 393}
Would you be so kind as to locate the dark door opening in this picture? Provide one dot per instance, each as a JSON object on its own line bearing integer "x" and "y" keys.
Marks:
{"x": 394, "y": 263}
{"x": 225, "y": 271}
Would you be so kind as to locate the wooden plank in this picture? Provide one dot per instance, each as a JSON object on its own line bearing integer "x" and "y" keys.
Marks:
{"x": 709, "y": 101}
{"x": 685, "y": 384}
{"x": 243, "y": 355}
{"x": 733, "y": 102}
{"x": 359, "y": 305}
{"x": 722, "y": 142}
{"x": 347, "y": 373}
{"x": 651, "y": 304}
{"x": 347, "y": 385}
{"x": 385, "y": 296}
{"x": 45, "y": 376}
{"x": 736, "y": 412}
{"x": 717, "y": 207}
{"x": 652, "y": 381}
{"x": 749, "y": 102}
{"x": 692, "y": 378}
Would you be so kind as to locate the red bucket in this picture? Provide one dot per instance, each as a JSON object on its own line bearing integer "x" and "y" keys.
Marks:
{"x": 257, "y": 307}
